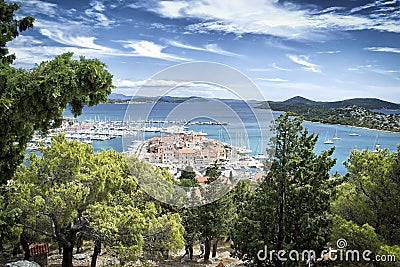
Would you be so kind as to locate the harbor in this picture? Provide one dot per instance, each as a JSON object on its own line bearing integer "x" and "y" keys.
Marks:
{"x": 101, "y": 130}
{"x": 176, "y": 151}
{"x": 175, "y": 147}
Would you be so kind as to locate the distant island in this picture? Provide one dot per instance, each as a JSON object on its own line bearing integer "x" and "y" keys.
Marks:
{"x": 121, "y": 98}
{"x": 358, "y": 112}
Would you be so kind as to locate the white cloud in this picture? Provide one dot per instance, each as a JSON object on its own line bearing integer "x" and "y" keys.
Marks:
{"x": 97, "y": 5}
{"x": 360, "y": 8}
{"x": 212, "y": 48}
{"x": 277, "y": 80}
{"x": 186, "y": 46}
{"x": 172, "y": 88}
{"x": 329, "y": 52}
{"x": 268, "y": 17}
{"x": 38, "y": 7}
{"x": 148, "y": 83}
{"x": 303, "y": 60}
{"x": 150, "y": 49}
{"x": 96, "y": 12}
{"x": 274, "y": 67}
{"x": 65, "y": 35}
{"x": 383, "y": 49}
{"x": 279, "y": 68}
{"x": 172, "y": 9}
{"x": 368, "y": 69}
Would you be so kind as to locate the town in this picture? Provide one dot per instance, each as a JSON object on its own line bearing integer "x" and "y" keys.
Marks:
{"x": 177, "y": 151}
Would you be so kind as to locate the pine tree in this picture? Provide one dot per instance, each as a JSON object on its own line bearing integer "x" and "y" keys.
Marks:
{"x": 290, "y": 210}
{"x": 69, "y": 190}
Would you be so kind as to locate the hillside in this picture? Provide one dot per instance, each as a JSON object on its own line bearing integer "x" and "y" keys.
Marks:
{"x": 353, "y": 112}
{"x": 367, "y": 103}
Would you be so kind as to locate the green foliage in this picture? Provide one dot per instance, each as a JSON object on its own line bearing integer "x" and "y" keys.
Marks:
{"x": 71, "y": 190}
{"x": 363, "y": 238}
{"x": 188, "y": 178}
{"x": 290, "y": 210}
{"x": 35, "y": 100}
{"x": 8, "y": 219}
{"x": 392, "y": 251}
{"x": 367, "y": 204}
{"x": 213, "y": 172}
{"x": 212, "y": 221}
{"x": 10, "y": 28}
{"x": 358, "y": 237}
{"x": 372, "y": 193}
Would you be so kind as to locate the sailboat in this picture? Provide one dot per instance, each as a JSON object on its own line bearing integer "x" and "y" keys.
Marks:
{"x": 327, "y": 140}
{"x": 376, "y": 144}
{"x": 336, "y": 137}
{"x": 353, "y": 134}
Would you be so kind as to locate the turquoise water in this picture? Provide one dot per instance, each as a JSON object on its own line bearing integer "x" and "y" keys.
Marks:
{"x": 242, "y": 117}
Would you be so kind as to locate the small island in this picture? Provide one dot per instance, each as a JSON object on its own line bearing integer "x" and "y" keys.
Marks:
{"x": 359, "y": 112}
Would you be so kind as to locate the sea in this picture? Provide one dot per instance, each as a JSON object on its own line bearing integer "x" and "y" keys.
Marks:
{"x": 241, "y": 125}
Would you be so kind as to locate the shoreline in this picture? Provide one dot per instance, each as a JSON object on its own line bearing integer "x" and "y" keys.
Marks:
{"x": 357, "y": 127}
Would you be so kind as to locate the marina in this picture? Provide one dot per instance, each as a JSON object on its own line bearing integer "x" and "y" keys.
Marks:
{"x": 98, "y": 130}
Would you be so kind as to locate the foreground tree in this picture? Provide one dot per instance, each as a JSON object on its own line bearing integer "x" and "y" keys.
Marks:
{"x": 10, "y": 28}
{"x": 374, "y": 178}
{"x": 35, "y": 100}
{"x": 70, "y": 190}
{"x": 369, "y": 200}
{"x": 211, "y": 222}
{"x": 290, "y": 210}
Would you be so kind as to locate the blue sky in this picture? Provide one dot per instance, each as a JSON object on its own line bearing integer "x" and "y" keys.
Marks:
{"x": 319, "y": 49}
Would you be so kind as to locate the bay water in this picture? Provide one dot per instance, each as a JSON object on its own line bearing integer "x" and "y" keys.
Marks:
{"x": 256, "y": 123}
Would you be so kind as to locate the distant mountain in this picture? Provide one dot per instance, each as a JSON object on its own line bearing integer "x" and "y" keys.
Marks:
{"x": 116, "y": 96}
{"x": 298, "y": 100}
{"x": 367, "y": 103}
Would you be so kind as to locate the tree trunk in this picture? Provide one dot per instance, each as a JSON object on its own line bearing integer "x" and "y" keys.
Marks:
{"x": 214, "y": 249}
{"x": 207, "y": 249}
{"x": 67, "y": 255}
{"x": 79, "y": 244}
{"x": 25, "y": 247}
{"x": 68, "y": 245}
{"x": 16, "y": 249}
{"x": 96, "y": 252}
{"x": 191, "y": 251}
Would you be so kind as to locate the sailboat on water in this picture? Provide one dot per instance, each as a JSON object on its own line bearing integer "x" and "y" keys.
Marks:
{"x": 353, "y": 133}
{"x": 377, "y": 146}
{"x": 327, "y": 140}
{"x": 336, "y": 137}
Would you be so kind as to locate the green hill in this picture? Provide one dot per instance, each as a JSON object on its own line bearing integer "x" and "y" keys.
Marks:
{"x": 301, "y": 102}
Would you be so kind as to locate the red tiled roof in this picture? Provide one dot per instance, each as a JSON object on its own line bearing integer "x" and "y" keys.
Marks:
{"x": 186, "y": 151}
{"x": 201, "y": 179}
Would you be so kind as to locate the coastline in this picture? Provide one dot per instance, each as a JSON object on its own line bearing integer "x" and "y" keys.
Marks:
{"x": 357, "y": 127}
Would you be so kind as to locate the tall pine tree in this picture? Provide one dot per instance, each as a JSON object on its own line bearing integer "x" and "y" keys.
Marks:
{"x": 291, "y": 209}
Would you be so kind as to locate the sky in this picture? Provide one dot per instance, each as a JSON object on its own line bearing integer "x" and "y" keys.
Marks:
{"x": 319, "y": 49}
